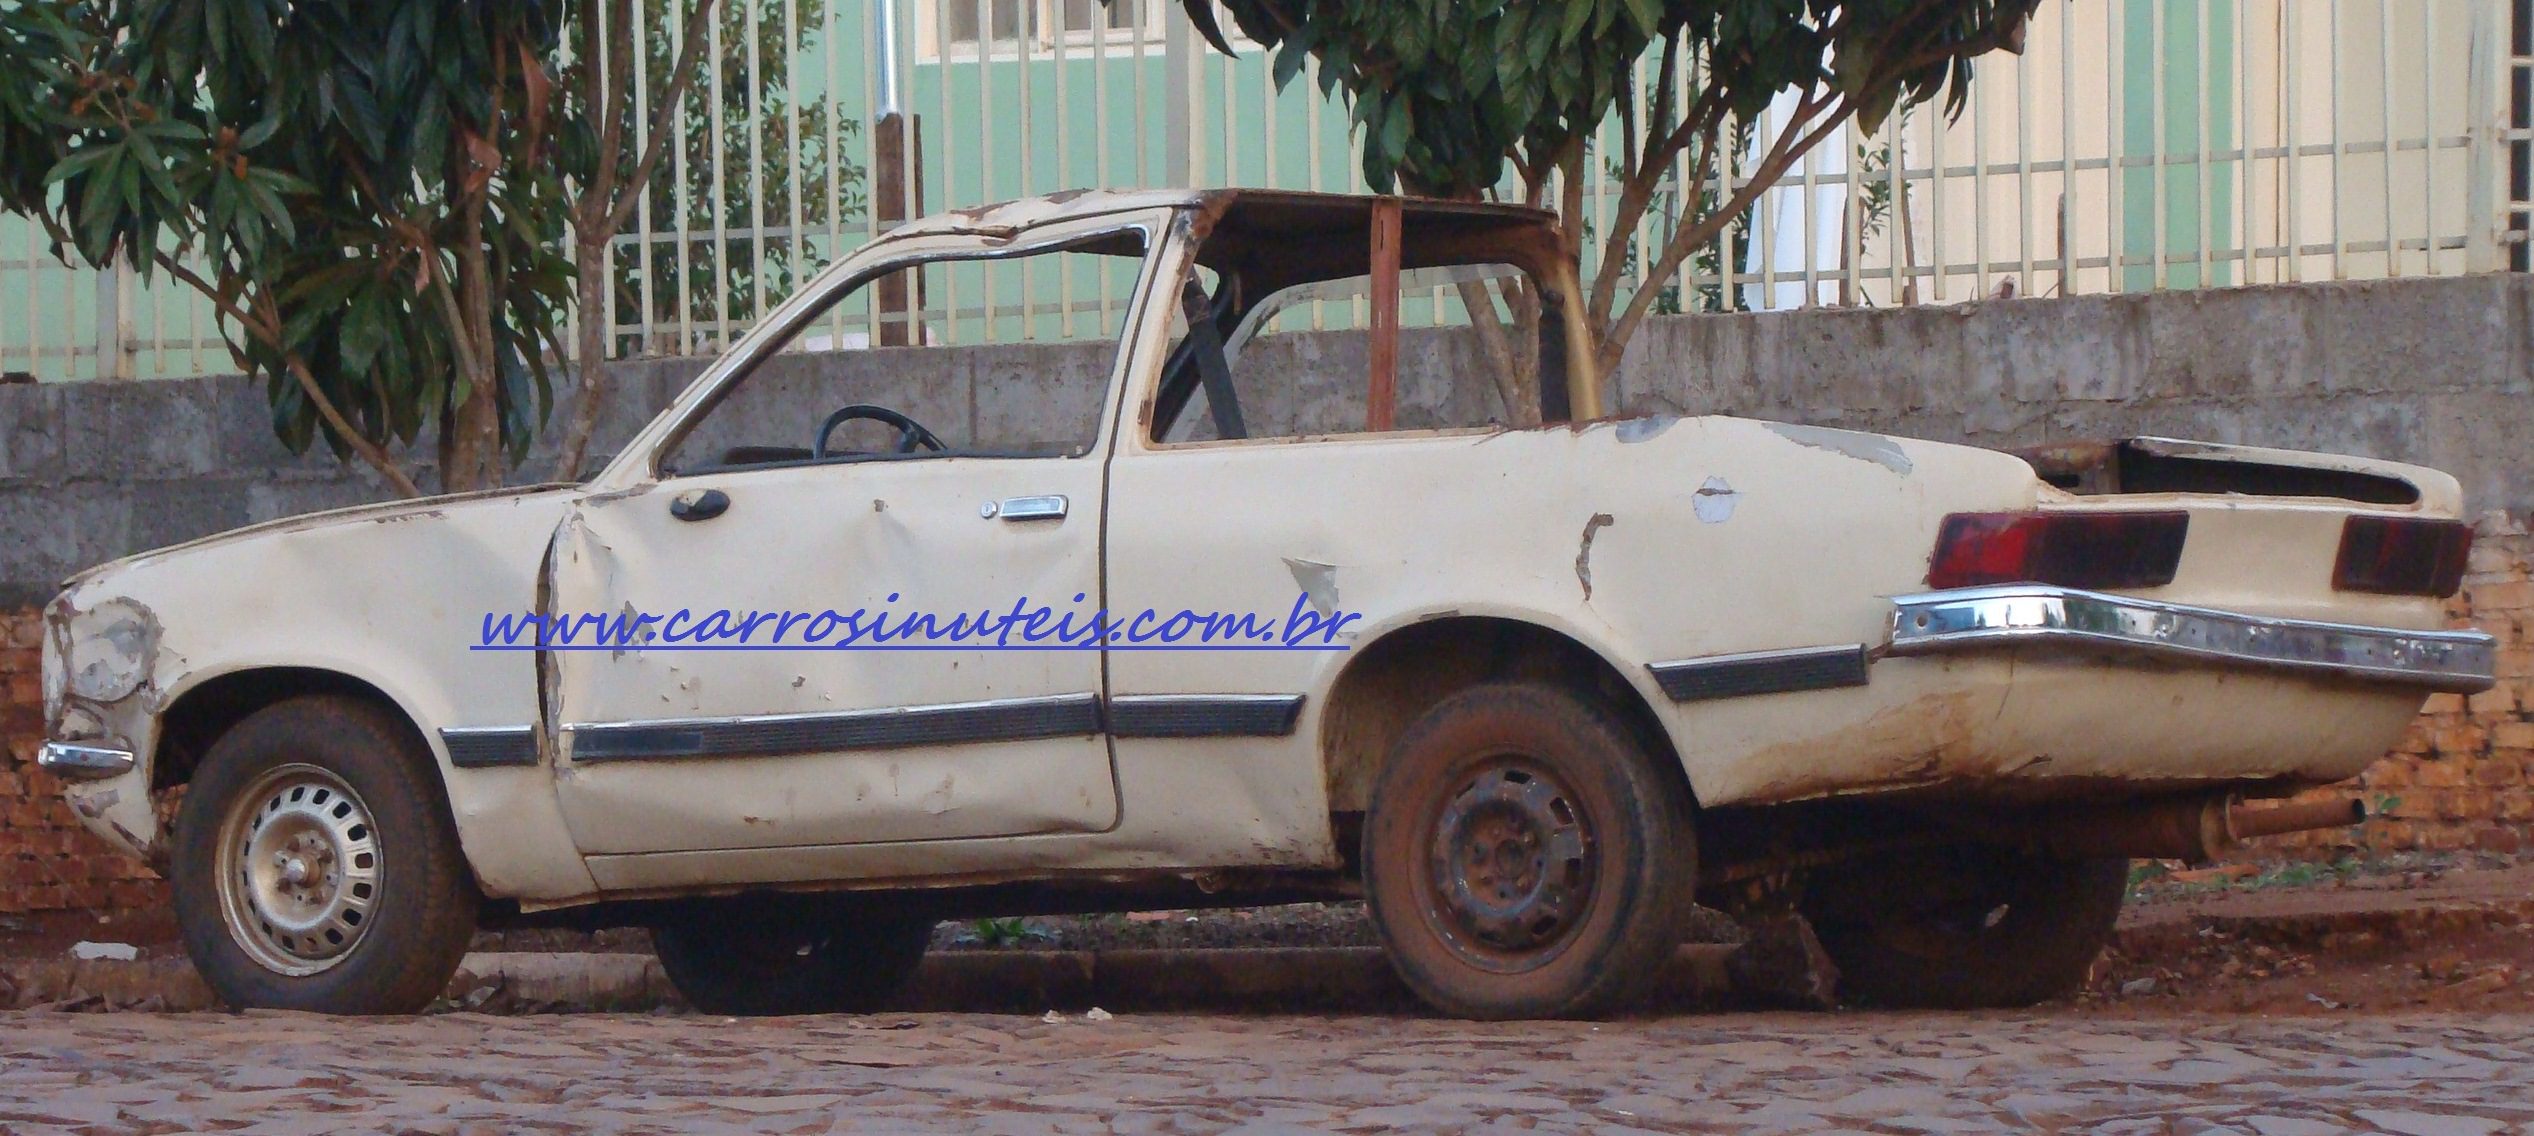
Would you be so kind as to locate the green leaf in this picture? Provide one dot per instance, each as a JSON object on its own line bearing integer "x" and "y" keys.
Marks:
{"x": 365, "y": 331}
{"x": 1578, "y": 14}
{"x": 1289, "y": 62}
{"x": 80, "y": 161}
{"x": 260, "y": 133}
{"x": 1394, "y": 130}
{"x": 1647, "y": 14}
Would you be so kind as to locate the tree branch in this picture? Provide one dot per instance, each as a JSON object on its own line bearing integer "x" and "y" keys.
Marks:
{"x": 606, "y": 61}
{"x": 1636, "y": 195}
{"x": 605, "y": 206}
{"x": 664, "y": 116}
{"x": 1570, "y": 203}
{"x": 449, "y": 314}
{"x": 1792, "y": 142}
{"x": 263, "y": 329}
{"x": 1511, "y": 374}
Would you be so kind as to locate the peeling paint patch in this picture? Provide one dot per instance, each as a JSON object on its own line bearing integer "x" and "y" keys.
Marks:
{"x": 1874, "y": 448}
{"x": 1714, "y": 501}
{"x": 625, "y": 618}
{"x": 1318, "y": 581}
{"x": 1645, "y": 429}
{"x": 111, "y": 649}
{"x": 1584, "y": 551}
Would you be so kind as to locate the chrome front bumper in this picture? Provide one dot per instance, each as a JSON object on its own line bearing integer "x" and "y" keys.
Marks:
{"x": 73, "y": 761}
{"x": 1930, "y": 623}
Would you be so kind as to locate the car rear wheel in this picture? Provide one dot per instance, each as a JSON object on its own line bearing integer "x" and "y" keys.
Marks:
{"x": 1524, "y": 856}
{"x": 316, "y": 866}
{"x": 761, "y": 956}
{"x": 1969, "y": 927}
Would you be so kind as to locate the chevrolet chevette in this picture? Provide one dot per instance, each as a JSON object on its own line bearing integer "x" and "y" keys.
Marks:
{"x": 1068, "y": 555}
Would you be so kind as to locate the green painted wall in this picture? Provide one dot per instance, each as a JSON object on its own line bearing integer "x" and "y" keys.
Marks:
{"x": 2195, "y": 80}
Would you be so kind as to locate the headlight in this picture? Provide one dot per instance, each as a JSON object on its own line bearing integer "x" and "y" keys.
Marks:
{"x": 109, "y": 646}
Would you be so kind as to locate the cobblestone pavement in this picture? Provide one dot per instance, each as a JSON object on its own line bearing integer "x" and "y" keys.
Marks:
{"x": 467, "y": 1073}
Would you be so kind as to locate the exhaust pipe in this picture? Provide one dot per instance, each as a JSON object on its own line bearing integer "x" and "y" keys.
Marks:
{"x": 2250, "y": 823}
{"x": 2194, "y": 829}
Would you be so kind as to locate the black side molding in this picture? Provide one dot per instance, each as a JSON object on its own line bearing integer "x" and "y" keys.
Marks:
{"x": 1762, "y": 672}
{"x": 490, "y": 747}
{"x": 1017, "y": 719}
{"x": 784, "y": 735}
{"x": 1204, "y": 715}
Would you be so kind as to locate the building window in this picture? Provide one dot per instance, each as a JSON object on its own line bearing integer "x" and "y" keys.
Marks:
{"x": 999, "y": 25}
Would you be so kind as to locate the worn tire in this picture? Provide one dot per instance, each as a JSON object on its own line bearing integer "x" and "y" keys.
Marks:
{"x": 1525, "y": 857}
{"x": 415, "y": 911}
{"x": 1972, "y": 927}
{"x": 762, "y": 956}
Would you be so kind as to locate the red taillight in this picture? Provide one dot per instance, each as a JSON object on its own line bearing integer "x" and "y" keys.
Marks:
{"x": 2072, "y": 550}
{"x": 2402, "y": 556}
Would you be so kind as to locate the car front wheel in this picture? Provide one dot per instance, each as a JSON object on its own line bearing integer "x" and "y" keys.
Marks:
{"x": 316, "y": 866}
{"x": 1526, "y": 857}
{"x": 759, "y": 956}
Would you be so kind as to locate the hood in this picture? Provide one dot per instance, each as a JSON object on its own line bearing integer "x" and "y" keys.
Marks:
{"x": 374, "y": 512}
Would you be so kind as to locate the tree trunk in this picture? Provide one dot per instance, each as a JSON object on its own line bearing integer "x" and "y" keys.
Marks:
{"x": 474, "y": 449}
{"x": 589, "y": 351}
{"x": 475, "y": 446}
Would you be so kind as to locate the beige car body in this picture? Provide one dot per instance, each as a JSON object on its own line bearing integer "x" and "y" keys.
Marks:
{"x": 1652, "y": 547}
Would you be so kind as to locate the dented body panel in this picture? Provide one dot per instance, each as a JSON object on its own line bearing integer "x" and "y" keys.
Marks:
{"x": 1737, "y": 577}
{"x": 386, "y": 596}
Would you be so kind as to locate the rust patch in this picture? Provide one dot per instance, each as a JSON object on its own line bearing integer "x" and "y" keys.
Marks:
{"x": 1928, "y": 738}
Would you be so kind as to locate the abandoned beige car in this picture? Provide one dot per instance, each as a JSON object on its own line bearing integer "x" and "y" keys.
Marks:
{"x": 1046, "y": 558}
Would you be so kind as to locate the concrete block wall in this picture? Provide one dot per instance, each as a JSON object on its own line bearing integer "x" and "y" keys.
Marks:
{"x": 2438, "y": 372}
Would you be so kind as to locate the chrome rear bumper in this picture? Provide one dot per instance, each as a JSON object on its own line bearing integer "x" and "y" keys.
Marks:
{"x": 1962, "y": 619}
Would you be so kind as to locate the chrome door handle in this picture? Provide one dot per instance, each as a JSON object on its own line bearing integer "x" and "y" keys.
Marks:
{"x": 1044, "y": 507}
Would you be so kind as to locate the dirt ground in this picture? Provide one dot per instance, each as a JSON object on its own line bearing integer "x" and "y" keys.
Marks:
{"x": 2414, "y": 933}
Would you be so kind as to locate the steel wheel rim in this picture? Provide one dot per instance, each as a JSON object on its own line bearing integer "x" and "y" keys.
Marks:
{"x": 1511, "y": 863}
{"x": 300, "y": 870}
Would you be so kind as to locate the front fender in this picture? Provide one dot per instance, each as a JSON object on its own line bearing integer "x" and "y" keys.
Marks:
{"x": 385, "y": 600}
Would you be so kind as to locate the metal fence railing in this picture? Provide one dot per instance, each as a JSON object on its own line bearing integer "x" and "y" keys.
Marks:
{"x": 2132, "y": 145}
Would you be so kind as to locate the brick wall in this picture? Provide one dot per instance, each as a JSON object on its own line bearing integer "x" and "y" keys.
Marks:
{"x": 47, "y": 861}
{"x": 2463, "y": 778}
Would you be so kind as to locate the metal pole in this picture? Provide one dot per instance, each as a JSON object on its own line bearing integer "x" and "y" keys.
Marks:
{"x": 114, "y": 338}
{"x": 1182, "y": 149}
{"x": 2483, "y": 148}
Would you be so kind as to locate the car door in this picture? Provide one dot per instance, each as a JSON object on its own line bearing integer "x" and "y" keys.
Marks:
{"x": 714, "y": 733}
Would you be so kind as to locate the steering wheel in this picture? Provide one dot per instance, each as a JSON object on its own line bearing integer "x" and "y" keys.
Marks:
{"x": 910, "y": 433}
